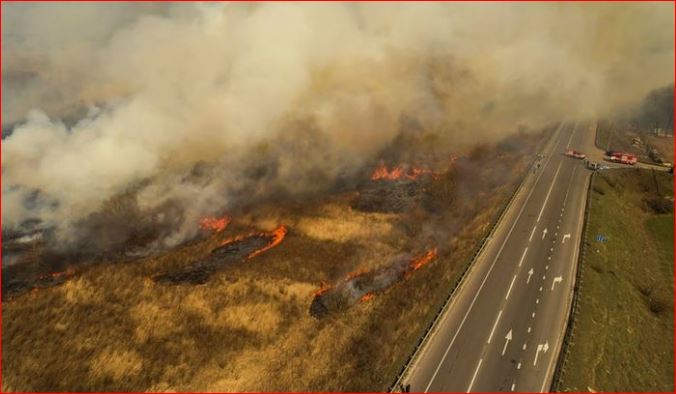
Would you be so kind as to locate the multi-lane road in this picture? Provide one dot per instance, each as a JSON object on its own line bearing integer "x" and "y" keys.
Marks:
{"x": 504, "y": 327}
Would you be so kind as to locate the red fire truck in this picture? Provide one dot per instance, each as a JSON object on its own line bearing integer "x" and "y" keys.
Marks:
{"x": 624, "y": 158}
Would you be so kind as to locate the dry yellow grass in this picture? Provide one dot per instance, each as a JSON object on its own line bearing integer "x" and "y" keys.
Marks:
{"x": 248, "y": 329}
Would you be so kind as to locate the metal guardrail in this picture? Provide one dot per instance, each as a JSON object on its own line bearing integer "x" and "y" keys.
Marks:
{"x": 570, "y": 326}
{"x": 463, "y": 275}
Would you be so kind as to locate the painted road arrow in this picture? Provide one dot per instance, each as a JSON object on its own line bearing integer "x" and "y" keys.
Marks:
{"x": 563, "y": 241}
{"x": 508, "y": 338}
{"x": 556, "y": 280}
{"x": 544, "y": 232}
{"x": 530, "y": 273}
{"x": 541, "y": 348}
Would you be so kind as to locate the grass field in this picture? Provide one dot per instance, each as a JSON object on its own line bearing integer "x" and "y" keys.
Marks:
{"x": 623, "y": 338}
{"x": 611, "y": 136}
{"x": 111, "y": 328}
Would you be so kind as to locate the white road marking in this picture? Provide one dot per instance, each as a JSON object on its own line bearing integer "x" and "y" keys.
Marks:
{"x": 476, "y": 371}
{"x": 556, "y": 280}
{"x": 532, "y": 315}
{"x": 570, "y": 181}
{"x": 532, "y": 232}
{"x": 518, "y": 366}
{"x": 523, "y": 347}
{"x": 504, "y": 242}
{"x": 530, "y": 273}
{"x": 513, "y": 385}
{"x": 522, "y": 256}
{"x": 549, "y": 257}
{"x": 541, "y": 348}
{"x": 546, "y": 267}
{"x": 529, "y": 329}
{"x": 537, "y": 300}
{"x": 571, "y": 137}
{"x": 544, "y": 277}
{"x": 510, "y": 287}
{"x": 540, "y": 288}
{"x": 508, "y": 338}
{"x": 581, "y": 214}
{"x": 564, "y": 238}
{"x": 497, "y": 319}
{"x": 550, "y": 191}
{"x": 544, "y": 233}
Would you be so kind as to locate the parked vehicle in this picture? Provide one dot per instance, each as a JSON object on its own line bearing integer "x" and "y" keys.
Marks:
{"x": 575, "y": 154}
{"x": 593, "y": 165}
{"x": 624, "y": 158}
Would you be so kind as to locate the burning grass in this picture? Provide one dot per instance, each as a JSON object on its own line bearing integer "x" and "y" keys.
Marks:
{"x": 229, "y": 252}
{"x": 363, "y": 285}
{"x": 215, "y": 224}
{"x": 110, "y": 327}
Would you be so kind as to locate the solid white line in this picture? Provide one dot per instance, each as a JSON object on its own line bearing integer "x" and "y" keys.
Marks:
{"x": 476, "y": 371}
{"x": 497, "y": 319}
{"x": 550, "y": 191}
{"x": 532, "y": 232}
{"x": 510, "y": 287}
{"x": 504, "y": 242}
{"x": 522, "y": 256}
{"x": 570, "y": 181}
{"x": 571, "y": 137}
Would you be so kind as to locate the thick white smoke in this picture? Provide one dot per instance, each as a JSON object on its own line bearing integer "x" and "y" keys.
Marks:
{"x": 106, "y": 99}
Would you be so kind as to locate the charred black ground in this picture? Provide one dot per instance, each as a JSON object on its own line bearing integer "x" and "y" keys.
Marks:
{"x": 362, "y": 285}
{"x": 220, "y": 258}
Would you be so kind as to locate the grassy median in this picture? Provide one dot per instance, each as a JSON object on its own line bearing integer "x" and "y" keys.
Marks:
{"x": 623, "y": 339}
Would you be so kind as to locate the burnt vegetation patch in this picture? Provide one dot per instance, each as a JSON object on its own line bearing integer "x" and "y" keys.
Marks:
{"x": 364, "y": 285}
{"x": 232, "y": 251}
{"x": 220, "y": 258}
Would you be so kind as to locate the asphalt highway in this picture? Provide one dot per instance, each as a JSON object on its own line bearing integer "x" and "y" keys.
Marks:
{"x": 503, "y": 329}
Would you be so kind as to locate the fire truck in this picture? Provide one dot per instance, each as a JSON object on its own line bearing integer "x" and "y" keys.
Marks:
{"x": 575, "y": 154}
{"x": 624, "y": 158}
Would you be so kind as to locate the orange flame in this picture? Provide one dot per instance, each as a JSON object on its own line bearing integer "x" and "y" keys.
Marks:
{"x": 367, "y": 297}
{"x": 424, "y": 259}
{"x": 355, "y": 274}
{"x": 215, "y": 224}
{"x": 399, "y": 172}
{"x": 322, "y": 289}
{"x": 277, "y": 234}
{"x": 70, "y": 271}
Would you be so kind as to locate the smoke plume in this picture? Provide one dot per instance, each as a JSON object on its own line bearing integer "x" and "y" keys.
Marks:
{"x": 169, "y": 112}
